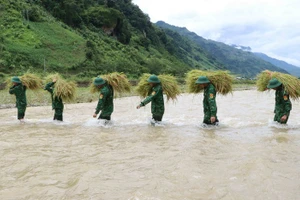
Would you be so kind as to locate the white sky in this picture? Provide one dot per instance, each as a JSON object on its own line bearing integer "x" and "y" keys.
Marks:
{"x": 267, "y": 26}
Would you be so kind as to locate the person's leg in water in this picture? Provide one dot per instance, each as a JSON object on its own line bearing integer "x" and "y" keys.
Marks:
{"x": 106, "y": 118}
{"x": 58, "y": 115}
{"x": 157, "y": 118}
{"x": 21, "y": 114}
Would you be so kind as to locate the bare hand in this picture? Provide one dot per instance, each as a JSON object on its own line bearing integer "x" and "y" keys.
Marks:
{"x": 94, "y": 115}
{"x": 54, "y": 80}
{"x": 212, "y": 119}
{"x": 138, "y": 107}
{"x": 283, "y": 118}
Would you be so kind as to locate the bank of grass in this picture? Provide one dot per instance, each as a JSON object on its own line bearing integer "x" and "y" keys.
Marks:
{"x": 48, "y": 44}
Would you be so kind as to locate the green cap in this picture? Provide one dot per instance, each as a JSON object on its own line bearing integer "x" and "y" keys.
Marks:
{"x": 99, "y": 81}
{"x": 15, "y": 79}
{"x": 202, "y": 80}
{"x": 153, "y": 79}
{"x": 274, "y": 83}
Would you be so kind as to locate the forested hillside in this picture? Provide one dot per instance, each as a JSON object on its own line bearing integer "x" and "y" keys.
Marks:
{"x": 240, "y": 62}
{"x": 84, "y": 38}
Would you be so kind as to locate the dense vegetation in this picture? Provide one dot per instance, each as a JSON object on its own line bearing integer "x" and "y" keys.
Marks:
{"x": 84, "y": 38}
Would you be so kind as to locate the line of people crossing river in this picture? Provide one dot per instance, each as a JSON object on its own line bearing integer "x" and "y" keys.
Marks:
{"x": 105, "y": 104}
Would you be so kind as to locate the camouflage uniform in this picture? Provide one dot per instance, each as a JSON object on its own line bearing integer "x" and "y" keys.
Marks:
{"x": 209, "y": 104}
{"x": 157, "y": 105}
{"x": 57, "y": 103}
{"x": 283, "y": 105}
{"x": 105, "y": 102}
{"x": 19, "y": 91}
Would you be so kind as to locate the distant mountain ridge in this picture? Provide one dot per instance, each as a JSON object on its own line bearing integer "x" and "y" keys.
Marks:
{"x": 241, "y": 47}
{"x": 292, "y": 69}
{"x": 243, "y": 63}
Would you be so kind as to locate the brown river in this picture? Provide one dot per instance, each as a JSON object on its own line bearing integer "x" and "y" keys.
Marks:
{"x": 246, "y": 157}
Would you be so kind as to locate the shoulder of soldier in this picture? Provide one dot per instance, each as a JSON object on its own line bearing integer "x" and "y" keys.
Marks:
{"x": 104, "y": 89}
{"x": 285, "y": 92}
{"x": 20, "y": 87}
{"x": 211, "y": 88}
{"x": 157, "y": 87}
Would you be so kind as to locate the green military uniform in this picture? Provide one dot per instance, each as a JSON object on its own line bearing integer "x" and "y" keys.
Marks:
{"x": 209, "y": 104}
{"x": 105, "y": 103}
{"x": 283, "y": 105}
{"x": 209, "y": 100}
{"x": 57, "y": 103}
{"x": 19, "y": 91}
{"x": 156, "y": 98}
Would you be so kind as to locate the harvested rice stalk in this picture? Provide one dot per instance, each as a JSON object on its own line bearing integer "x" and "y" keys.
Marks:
{"x": 222, "y": 81}
{"x": 169, "y": 86}
{"x": 143, "y": 88}
{"x": 290, "y": 83}
{"x": 118, "y": 81}
{"x": 31, "y": 81}
{"x": 263, "y": 79}
{"x": 168, "y": 82}
{"x": 66, "y": 90}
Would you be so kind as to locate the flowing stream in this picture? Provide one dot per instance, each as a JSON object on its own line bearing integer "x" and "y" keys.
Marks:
{"x": 246, "y": 157}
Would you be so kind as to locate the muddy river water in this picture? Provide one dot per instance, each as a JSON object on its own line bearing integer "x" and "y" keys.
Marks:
{"x": 247, "y": 157}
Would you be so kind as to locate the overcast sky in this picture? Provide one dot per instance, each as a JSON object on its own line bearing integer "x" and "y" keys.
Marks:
{"x": 267, "y": 26}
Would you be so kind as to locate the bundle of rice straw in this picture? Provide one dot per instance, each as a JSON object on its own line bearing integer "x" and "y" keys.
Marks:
{"x": 31, "y": 81}
{"x": 222, "y": 81}
{"x": 290, "y": 83}
{"x": 66, "y": 90}
{"x": 118, "y": 81}
{"x": 168, "y": 82}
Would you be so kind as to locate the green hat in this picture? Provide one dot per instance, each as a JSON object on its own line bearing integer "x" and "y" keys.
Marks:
{"x": 153, "y": 79}
{"x": 273, "y": 83}
{"x": 202, "y": 80}
{"x": 99, "y": 81}
{"x": 15, "y": 79}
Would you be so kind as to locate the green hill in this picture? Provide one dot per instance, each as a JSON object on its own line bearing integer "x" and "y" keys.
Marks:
{"x": 85, "y": 38}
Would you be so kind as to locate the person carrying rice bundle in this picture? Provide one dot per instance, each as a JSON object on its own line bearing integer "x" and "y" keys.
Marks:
{"x": 286, "y": 87}
{"x": 211, "y": 82}
{"x": 283, "y": 104}
{"x": 57, "y": 102}
{"x": 19, "y": 90}
{"x": 61, "y": 91}
{"x": 105, "y": 102}
{"x": 209, "y": 101}
{"x": 156, "y": 98}
{"x": 20, "y": 85}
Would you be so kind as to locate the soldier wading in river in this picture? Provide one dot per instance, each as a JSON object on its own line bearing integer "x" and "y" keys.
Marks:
{"x": 105, "y": 103}
{"x": 57, "y": 103}
{"x": 283, "y": 105}
{"x": 156, "y": 98}
{"x": 19, "y": 90}
{"x": 209, "y": 101}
